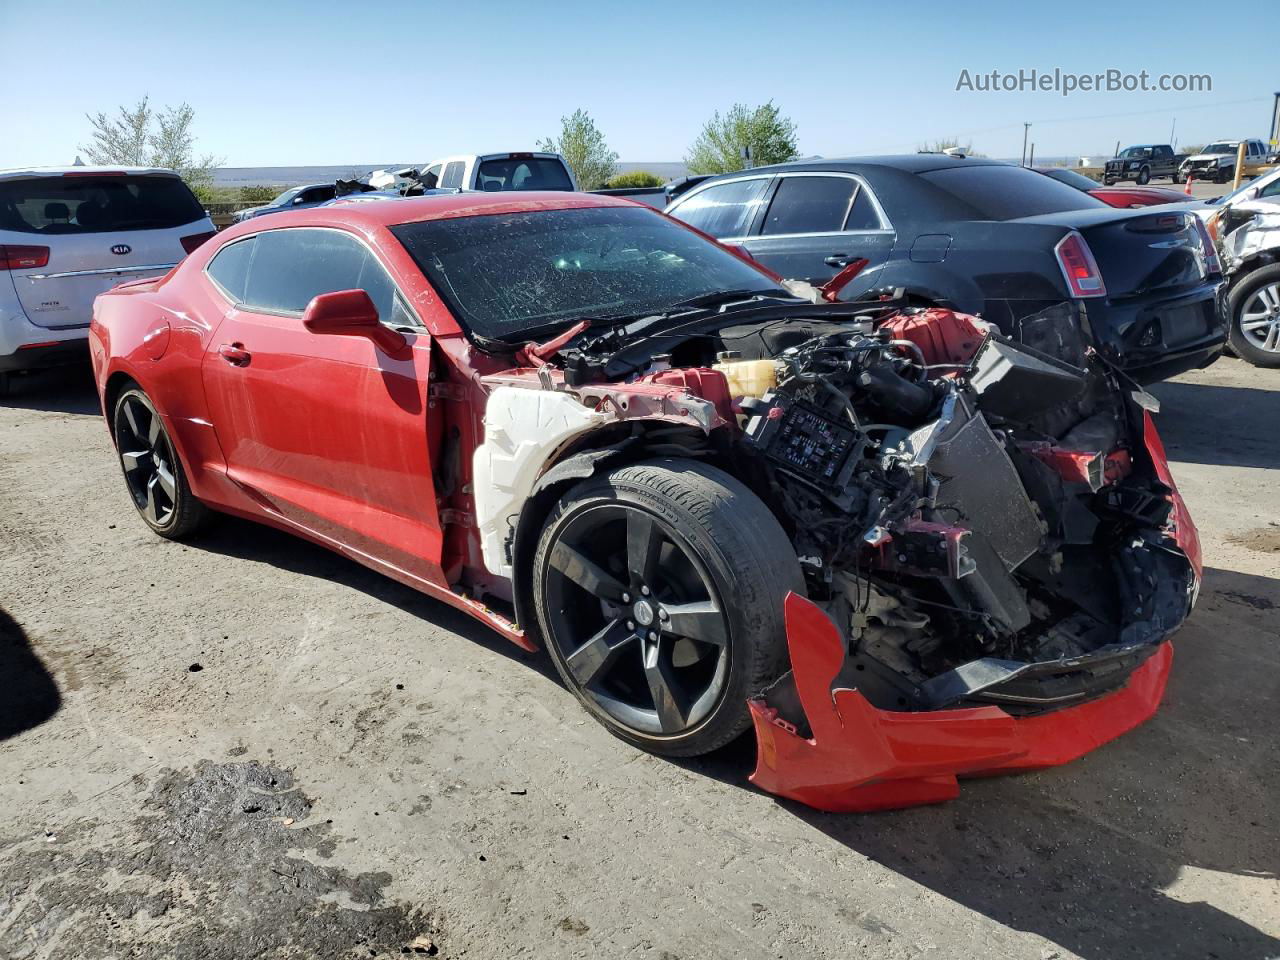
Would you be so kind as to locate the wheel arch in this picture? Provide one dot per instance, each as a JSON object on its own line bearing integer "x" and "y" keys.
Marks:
{"x": 605, "y": 447}
{"x": 117, "y": 383}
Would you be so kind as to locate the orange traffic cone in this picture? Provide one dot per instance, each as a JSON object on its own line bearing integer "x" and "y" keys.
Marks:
{"x": 1188, "y": 190}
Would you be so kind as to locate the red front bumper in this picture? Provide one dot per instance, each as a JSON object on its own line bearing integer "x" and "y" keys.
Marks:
{"x": 861, "y": 758}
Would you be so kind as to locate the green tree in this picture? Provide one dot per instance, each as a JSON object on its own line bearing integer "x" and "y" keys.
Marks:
{"x": 584, "y": 148}
{"x": 718, "y": 148}
{"x": 142, "y": 137}
{"x": 636, "y": 178}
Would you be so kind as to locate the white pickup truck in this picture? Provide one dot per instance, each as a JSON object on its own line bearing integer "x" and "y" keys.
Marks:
{"x": 500, "y": 171}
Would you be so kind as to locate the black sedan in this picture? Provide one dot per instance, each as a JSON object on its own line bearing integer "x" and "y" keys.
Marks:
{"x": 986, "y": 238}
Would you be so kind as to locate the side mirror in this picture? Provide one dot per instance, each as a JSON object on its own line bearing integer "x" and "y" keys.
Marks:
{"x": 297, "y": 200}
{"x": 350, "y": 313}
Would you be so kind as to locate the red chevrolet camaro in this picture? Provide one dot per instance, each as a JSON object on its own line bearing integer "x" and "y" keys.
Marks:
{"x": 901, "y": 545}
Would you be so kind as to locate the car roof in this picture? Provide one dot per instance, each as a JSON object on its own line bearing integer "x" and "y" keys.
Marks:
{"x": 15, "y": 172}
{"x": 905, "y": 162}
{"x": 443, "y": 207}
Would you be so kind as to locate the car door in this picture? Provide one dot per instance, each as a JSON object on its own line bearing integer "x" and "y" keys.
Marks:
{"x": 816, "y": 224}
{"x": 326, "y": 431}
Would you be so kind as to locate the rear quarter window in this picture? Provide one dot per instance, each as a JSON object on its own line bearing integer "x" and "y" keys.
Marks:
{"x": 723, "y": 209}
{"x": 1007, "y": 193}
{"x": 91, "y": 204}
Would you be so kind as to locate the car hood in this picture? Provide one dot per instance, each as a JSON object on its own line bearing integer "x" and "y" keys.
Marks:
{"x": 1211, "y": 156}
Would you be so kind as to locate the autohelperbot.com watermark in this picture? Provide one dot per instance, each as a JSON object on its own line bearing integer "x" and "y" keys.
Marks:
{"x": 1065, "y": 82}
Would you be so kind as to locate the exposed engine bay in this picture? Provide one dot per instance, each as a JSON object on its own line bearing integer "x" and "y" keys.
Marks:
{"x": 980, "y": 517}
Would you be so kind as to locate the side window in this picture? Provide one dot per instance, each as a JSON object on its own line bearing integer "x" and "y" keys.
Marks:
{"x": 724, "y": 209}
{"x": 1272, "y": 189}
{"x": 1163, "y": 151}
{"x": 229, "y": 268}
{"x": 291, "y": 266}
{"x": 863, "y": 214}
{"x": 453, "y": 174}
{"x": 809, "y": 205}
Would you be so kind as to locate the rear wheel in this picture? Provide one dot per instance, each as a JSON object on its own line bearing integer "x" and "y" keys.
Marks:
{"x": 659, "y": 589}
{"x": 152, "y": 471}
{"x": 1254, "y": 306}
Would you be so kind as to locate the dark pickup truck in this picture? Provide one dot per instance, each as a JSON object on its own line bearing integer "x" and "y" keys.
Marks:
{"x": 1142, "y": 163}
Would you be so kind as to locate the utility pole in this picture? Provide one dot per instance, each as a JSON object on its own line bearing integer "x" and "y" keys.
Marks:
{"x": 1026, "y": 128}
{"x": 1173, "y": 143}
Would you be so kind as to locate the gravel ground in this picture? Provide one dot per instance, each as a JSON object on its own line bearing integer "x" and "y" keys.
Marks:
{"x": 249, "y": 747}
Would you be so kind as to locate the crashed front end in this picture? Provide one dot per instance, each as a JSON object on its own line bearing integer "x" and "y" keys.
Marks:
{"x": 994, "y": 551}
{"x": 996, "y": 559}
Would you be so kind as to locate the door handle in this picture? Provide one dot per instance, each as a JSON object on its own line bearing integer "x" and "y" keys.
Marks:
{"x": 235, "y": 354}
{"x": 840, "y": 260}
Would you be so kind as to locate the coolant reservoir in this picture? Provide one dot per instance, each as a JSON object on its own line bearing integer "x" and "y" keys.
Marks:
{"x": 748, "y": 378}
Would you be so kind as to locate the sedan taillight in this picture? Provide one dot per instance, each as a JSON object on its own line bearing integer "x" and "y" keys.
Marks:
{"x": 190, "y": 243}
{"x": 13, "y": 257}
{"x": 1078, "y": 267}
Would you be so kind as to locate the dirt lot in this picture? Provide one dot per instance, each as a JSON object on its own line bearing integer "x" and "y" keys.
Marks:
{"x": 249, "y": 747}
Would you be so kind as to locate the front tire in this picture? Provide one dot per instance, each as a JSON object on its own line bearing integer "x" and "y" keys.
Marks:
{"x": 153, "y": 473}
{"x": 1144, "y": 177}
{"x": 1254, "y": 308}
{"x": 658, "y": 589}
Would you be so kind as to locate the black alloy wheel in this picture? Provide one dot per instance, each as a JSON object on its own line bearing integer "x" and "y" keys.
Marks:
{"x": 659, "y": 594}
{"x": 152, "y": 472}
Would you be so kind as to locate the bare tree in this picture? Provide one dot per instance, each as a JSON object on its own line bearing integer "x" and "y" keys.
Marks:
{"x": 123, "y": 140}
{"x": 141, "y": 137}
{"x": 584, "y": 148}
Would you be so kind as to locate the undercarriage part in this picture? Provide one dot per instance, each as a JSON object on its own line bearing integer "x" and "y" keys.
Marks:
{"x": 1014, "y": 383}
{"x": 980, "y": 488}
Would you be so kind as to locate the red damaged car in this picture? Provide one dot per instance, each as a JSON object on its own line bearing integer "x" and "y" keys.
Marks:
{"x": 902, "y": 546}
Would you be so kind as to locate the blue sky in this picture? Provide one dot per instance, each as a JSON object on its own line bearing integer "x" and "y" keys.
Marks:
{"x": 309, "y": 83}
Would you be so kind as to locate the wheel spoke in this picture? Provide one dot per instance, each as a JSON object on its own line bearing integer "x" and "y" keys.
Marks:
{"x": 667, "y": 699}
{"x": 131, "y": 418}
{"x": 1272, "y": 336}
{"x": 698, "y": 621}
{"x": 153, "y": 429}
{"x": 152, "y": 508}
{"x": 1254, "y": 321}
{"x": 585, "y": 573}
{"x": 1270, "y": 295}
{"x": 167, "y": 483}
{"x": 135, "y": 460}
{"x": 600, "y": 653}
{"x": 644, "y": 543}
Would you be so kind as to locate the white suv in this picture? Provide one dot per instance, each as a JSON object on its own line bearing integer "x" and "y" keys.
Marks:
{"x": 68, "y": 234}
